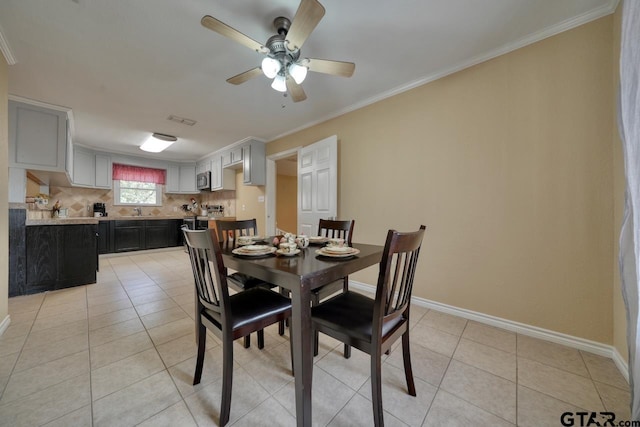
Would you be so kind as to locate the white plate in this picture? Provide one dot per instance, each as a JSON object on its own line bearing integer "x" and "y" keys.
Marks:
{"x": 255, "y": 248}
{"x": 353, "y": 252}
{"x": 281, "y": 252}
{"x": 318, "y": 239}
{"x": 337, "y": 249}
{"x": 241, "y": 251}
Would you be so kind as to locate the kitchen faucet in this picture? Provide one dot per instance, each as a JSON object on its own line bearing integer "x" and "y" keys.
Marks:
{"x": 138, "y": 211}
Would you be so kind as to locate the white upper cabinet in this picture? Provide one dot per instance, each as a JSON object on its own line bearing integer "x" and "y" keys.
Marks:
{"x": 250, "y": 158}
{"x": 91, "y": 169}
{"x": 37, "y": 137}
{"x": 181, "y": 178}
{"x": 221, "y": 178}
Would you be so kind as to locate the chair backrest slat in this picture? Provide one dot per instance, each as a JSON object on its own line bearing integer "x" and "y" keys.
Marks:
{"x": 229, "y": 231}
{"x": 209, "y": 272}
{"x": 397, "y": 271}
{"x": 336, "y": 229}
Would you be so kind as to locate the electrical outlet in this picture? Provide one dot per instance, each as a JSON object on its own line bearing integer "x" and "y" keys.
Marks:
{"x": 88, "y": 207}
{"x": 175, "y": 209}
{"x": 260, "y": 199}
{"x": 244, "y": 208}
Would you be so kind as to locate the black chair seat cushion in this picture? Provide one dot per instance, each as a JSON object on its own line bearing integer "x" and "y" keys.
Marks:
{"x": 252, "y": 305}
{"x": 351, "y": 313}
{"x": 243, "y": 281}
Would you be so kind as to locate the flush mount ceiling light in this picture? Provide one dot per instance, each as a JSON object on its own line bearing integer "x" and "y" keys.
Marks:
{"x": 158, "y": 142}
{"x": 283, "y": 62}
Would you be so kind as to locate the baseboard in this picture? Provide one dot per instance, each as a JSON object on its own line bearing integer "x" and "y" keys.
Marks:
{"x": 521, "y": 328}
{"x": 142, "y": 252}
{"x": 5, "y": 324}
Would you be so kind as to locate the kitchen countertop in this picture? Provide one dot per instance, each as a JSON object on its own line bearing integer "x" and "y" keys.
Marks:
{"x": 94, "y": 220}
{"x": 62, "y": 221}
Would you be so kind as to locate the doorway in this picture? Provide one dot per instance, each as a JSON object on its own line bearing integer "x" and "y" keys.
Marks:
{"x": 282, "y": 181}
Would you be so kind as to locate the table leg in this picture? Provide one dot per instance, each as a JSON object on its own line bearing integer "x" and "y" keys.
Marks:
{"x": 302, "y": 352}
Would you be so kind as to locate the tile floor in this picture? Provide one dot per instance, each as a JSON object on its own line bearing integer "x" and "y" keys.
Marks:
{"x": 122, "y": 352}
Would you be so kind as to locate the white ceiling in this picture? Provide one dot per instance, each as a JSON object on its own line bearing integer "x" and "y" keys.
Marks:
{"x": 124, "y": 66}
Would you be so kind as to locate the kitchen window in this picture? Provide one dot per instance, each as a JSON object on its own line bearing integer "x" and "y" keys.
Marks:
{"x": 137, "y": 186}
{"x": 137, "y": 193}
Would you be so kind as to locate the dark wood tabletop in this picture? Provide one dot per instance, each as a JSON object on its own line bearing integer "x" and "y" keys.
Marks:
{"x": 300, "y": 274}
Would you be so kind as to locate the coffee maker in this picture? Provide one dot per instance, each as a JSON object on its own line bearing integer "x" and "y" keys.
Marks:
{"x": 99, "y": 208}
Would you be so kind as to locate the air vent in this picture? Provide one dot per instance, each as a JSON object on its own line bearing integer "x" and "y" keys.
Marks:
{"x": 182, "y": 120}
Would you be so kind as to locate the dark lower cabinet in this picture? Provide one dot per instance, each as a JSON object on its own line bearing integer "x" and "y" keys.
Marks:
{"x": 60, "y": 256}
{"x": 134, "y": 235}
{"x": 104, "y": 237}
{"x": 17, "y": 252}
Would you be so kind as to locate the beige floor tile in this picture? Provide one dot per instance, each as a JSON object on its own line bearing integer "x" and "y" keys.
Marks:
{"x": 358, "y": 412}
{"x": 42, "y": 323}
{"x": 11, "y": 345}
{"x": 426, "y": 364}
{"x": 179, "y": 290}
{"x": 182, "y": 373}
{"x": 7, "y": 363}
{"x": 538, "y": 409}
{"x": 183, "y": 299}
{"x": 448, "y": 410}
{"x": 329, "y": 396}
{"x": 114, "y": 332}
{"x": 148, "y": 297}
{"x": 177, "y": 415}
{"x": 560, "y": 384}
{"x": 23, "y": 316}
{"x": 24, "y": 383}
{"x": 119, "y": 349}
{"x": 98, "y": 309}
{"x": 552, "y": 354}
{"x": 453, "y": 325}
{"x": 615, "y": 400}
{"x": 78, "y": 418}
{"x": 163, "y": 317}
{"x": 604, "y": 370}
{"x": 272, "y": 369}
{"x": 487, "y": 391}
{"x": 118, "y": 294}
{"x": 152, "y": 307}
{"x": 352, "y": 372}
{"x": 144, "y": 291}
{"x": 57, "y": 309}
{"x": 137, "y": 402}
{"x": 55, "y": 334}
{"x": 35, "y": 356}
{"x": 268, "y": 412}
{"x": 25, "y": 303}
{"x": 18, "y": 329}
{"x": 172, "y": 330}
{"x": 490, "y": 359}
{"x": 488, "y": 335}
{"x": 397, "y": 401}
{"x": 48, "y": 404}
{"x": 247, "y": 394}
{"x": 434, "y": 339}
{"x": 124, "y": 372}
{"x": 181, "y": 349}
{"x": 107, "y": 319}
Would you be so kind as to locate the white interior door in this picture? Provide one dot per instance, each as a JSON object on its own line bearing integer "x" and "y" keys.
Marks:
{"x": 317, "y": 184}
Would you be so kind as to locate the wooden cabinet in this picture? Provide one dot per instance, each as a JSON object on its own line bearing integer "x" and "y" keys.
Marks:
{"x": 128, "y": 235}
{"x": 232, "y": 156}
{"x": 221, "y": 178}
{"x": 91, "y": 169}
{"x": 250, "y": 157}
{"x": 181, "y": 179}
{"x": 60, "y": 256}
{"x": 17, "y": 252}
{"x": 104, "y": 237}
{"x": 37, "y": 137}
{"x": 161, "y": 233}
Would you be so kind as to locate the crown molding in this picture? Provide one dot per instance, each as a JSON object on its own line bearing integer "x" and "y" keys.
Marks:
{"x": 599, "y": 12}
{"x": 6, "y": 49}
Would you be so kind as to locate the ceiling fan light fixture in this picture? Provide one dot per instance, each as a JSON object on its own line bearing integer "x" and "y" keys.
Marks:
{"x": 270, "y": 67}
{"x": 298, "y": 72}
{"x": 279, "y": 83}
{"x": 158, "y": 142}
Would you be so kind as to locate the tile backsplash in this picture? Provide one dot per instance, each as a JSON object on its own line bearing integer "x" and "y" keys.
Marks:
{"x": 76, "y": 200}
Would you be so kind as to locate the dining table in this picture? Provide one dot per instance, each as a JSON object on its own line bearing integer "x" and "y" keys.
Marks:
{"x": 300, "y": 274}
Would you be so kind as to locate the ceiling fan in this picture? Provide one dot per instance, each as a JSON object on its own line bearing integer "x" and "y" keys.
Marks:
{"x": 282, "y": 62}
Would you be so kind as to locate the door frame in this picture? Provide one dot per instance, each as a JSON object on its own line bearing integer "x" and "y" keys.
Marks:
{"x": 270, "y": 188}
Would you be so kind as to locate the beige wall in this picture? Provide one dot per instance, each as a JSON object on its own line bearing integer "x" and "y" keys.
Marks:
{"x": 510, "y": 166}
{"x": 287, "y": 203}
{"x": 619, "y": 313}
{"x": 248, "y": 205}
{"x": 4, "y": 189}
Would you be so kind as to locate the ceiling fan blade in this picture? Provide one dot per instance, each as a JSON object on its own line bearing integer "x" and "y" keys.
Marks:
{"x": 296, "y": 91}
{"x": 223, "y": 29}
{"x": 243, "y": 77}
{"x": 309, "y": 13}
{"x": 336, "y": 68}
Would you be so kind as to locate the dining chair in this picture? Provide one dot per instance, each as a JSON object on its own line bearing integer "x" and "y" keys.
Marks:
{"x": 229, "y": 317}
{"x": 373, "y": 325}
{"x": 228, "y": 233}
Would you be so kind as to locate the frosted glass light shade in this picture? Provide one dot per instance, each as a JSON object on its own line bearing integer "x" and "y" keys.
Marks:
{"x": 270, "y": 67}
{"x": 158, "y": 142}
{"x": 279, "y": 83}
{"x": 298, "y": 72}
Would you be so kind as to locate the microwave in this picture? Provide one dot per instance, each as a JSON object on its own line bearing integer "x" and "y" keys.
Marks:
{"x": 203, "y": 181}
